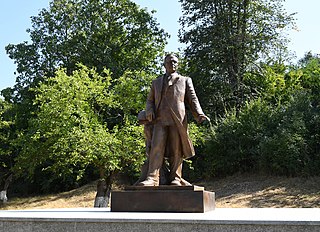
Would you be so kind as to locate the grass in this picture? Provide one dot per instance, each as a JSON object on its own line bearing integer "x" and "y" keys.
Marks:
{"x": 82, "y": 197}
{"x": 265, "y": 191}
{"x": 239, "y": 191}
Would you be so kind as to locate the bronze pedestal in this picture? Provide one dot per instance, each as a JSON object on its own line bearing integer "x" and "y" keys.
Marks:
{"x": 163, "y": 198}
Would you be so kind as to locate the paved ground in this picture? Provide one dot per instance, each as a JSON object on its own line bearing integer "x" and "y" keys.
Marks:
{"x": 238, "y": 215}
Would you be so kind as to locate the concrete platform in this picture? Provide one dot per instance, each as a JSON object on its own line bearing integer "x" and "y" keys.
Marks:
{"x": 221, "y": 219}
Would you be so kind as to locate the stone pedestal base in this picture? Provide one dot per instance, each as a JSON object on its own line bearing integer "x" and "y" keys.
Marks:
{"x": 187, "y": 199}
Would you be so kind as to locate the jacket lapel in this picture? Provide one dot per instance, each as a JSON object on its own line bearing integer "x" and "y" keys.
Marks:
{"x": 174, "y": 78}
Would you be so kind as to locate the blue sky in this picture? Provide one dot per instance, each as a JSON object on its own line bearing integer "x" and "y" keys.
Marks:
{"x": 15, "y": 19}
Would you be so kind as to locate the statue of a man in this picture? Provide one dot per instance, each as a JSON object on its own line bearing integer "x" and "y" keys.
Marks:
{"x": 166, "y": 112}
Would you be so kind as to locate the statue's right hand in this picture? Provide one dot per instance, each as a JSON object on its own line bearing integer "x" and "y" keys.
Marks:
{"x": 150, "y": 116}
{"x": 203, "y": 119}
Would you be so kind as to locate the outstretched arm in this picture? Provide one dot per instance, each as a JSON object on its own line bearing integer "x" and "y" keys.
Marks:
{"x": 194, "y": 103}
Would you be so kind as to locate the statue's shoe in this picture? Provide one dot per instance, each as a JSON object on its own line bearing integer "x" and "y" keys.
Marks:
{"x": 176, "y": 183}
{"x": 148, "y": 182}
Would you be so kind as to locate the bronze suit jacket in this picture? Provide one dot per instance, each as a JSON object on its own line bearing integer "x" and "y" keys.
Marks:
{"x": 183, "y": 93}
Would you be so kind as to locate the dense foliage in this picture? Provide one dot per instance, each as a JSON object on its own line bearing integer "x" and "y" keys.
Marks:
{"x": 7, "y": 149}
{"x": 69, "y": 133}
{"x": 112, "y": 34}
{"x": 225, "y": 40}
{"x": 275, "y": 134}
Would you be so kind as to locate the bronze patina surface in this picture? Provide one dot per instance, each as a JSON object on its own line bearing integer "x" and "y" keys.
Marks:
{"x": 174, "y": 199}
{"x": 165, "y": 121}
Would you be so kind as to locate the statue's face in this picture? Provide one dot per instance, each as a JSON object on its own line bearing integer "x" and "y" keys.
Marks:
{"x": 171, "y": 64}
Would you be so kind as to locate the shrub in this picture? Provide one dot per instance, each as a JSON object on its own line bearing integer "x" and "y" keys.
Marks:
{"x": 280, "y": 140}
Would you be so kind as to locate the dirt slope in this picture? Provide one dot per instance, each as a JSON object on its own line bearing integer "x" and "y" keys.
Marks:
{"x": 237, "y": 191}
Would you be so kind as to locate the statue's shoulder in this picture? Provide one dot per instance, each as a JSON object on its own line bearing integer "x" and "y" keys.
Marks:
{"x": 184, "y": 78}
{"x": 157, "y": 83}
{"x": 158, "y": 79}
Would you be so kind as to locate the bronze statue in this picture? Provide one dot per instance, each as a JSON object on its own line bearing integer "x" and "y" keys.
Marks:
{"x": 166, "y": 126}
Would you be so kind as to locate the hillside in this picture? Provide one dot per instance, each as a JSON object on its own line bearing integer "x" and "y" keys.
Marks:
{"x": 231, "y": 192}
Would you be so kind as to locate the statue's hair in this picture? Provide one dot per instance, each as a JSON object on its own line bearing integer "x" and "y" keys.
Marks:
{"x": 168, "y": 55}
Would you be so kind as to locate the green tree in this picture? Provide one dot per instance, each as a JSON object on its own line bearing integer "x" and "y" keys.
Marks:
{"x": 278, "y": 133}
{"x": 225, "y": 39}
{"x": 69, "y": 133}
{"x": 310, "y": 67}
{"x": 275, "y": 83}
{"x": 308, "y": 56}
{"x": 112, "y": 34}
{"x": 7, "y": 151}
{"x": 264, "y": 138}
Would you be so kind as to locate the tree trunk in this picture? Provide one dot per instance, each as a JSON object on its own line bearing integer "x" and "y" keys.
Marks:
{"x": 103, "y": 190}
{"x": 3, "y": 193}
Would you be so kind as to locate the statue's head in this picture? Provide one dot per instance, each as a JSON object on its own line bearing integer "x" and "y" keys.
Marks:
{"x": 171, "y": 62}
